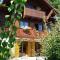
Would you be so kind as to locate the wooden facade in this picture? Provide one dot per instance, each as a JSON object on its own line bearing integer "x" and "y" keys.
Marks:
{"x": 32, "y": 27}
{"x": 33, "y": 13}
{"x": 40, "y": 12}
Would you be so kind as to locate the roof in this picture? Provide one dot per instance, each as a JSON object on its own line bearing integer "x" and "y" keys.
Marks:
{"x": 47, "y": 1}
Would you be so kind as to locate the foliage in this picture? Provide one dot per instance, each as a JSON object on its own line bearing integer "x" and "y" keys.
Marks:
{"x": 55, "y": 3}
{"x": 52, "y": 43}
{"x": 8, "y": 30}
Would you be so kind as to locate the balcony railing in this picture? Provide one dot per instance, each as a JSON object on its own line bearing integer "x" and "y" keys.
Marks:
{"x": 33, "y": 13}
{"x": 21, "y": 33}
{"x": 41, "y": 34}
{"x": 31, "y": 34}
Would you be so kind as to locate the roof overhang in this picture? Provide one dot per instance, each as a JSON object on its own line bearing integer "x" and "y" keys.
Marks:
{"x": 52, "y": 7}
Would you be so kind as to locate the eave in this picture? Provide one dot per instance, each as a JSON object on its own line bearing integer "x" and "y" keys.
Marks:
{"x": 28, "y": 12}
{"x": 52, "y": 7}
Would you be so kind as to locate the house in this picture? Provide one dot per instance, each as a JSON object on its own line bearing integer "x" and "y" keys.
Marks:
{"x": 33, "y": 27}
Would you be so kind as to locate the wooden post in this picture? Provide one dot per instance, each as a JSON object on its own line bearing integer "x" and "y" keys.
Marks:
{"x": 44, "y": 20}
{"x": 33, "y": 48}
{"x": 29, "y": 49}
{"x": 49, "y": 15}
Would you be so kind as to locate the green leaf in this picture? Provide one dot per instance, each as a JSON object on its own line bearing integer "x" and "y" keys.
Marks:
{"x": 4, "y": 34}
{"x": 23, "y": 1}
{"x": 10, "y": 45}
{"x": 0, "y": 42}
{"x": 7, "y": 24}
{"x": 11, "y": 40}
{"x": 4, "y": 44}
{"x": 14, "y": 28}
{"x": 15, "y": 7}
{"x": 1, "y": 49}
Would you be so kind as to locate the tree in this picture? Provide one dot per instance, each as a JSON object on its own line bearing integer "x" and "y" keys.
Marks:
{"x": 55, "y": 3}
{"x": 8, "y": 30}
{"x": 52, "y": 43}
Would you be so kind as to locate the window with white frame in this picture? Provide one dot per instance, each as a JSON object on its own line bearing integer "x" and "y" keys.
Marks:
{"x": 1, "y": 1}
{"x": 24, "y": 24}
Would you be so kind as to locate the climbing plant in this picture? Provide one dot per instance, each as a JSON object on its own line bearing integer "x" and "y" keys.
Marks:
{"x": 8, "y": 30}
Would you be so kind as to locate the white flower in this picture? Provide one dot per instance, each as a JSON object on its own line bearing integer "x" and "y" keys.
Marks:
{"x": 5, "y": 39}
{"x": 11, "y": 2}
{"x": 7, "y": 16}
{"x": 9, "y": 9}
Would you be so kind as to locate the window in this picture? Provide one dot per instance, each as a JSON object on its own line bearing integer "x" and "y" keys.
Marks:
{"x": 36, "y": 26}
{"x": 23, "y": 48}
{"x": 39, "y": 26}
{"x": 24, "y": 24}
{"x": 37, "y": 49}
{"x": 1, "y": 1}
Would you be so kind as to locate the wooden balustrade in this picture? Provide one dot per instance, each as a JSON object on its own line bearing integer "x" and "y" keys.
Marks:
{"x": 41, "y": 34}
{"x": 31, "y": 34}
{"x": 21, "y": 33}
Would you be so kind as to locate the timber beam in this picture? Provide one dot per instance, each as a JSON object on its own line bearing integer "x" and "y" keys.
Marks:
{"x": 49, "y": 15}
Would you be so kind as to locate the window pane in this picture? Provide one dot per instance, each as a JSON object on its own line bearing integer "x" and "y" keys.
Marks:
{"x": 1, "y": 1}
{"x": 40, "y": 28}
{"x": 21, "y": 24}
{"x": 24, "y": 24}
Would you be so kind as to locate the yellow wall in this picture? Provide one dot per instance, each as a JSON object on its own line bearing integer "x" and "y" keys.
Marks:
{"x": 30, "y": 51}
{"x": 17, "y": 53}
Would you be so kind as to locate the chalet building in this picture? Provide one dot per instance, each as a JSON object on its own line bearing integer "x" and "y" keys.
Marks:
{"x": 33, "y": 27}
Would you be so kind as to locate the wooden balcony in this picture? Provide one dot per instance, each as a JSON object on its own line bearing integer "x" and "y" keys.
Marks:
{"x": 28, "y": 12}
{"x": 31, "y": 34}
{"x": 25, "y": 34}
{"x": 42, "y": 34}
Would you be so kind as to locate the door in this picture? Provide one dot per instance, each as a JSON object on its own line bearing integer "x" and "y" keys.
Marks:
{"x": 23, "y": 48}
{"x": 27, "y": 48}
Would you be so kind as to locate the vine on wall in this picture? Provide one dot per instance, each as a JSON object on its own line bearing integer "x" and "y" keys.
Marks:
{"x": 8, "y": 30}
